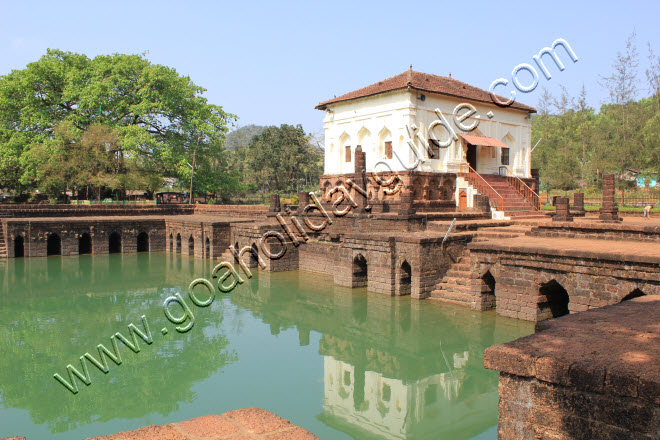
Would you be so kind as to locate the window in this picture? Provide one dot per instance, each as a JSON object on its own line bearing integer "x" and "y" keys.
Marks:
{"x": 387, "y": 393}
{"x": 431, "y": 394}
{"x": 388, "y": 150}
{"x": 347, "y": 148}
{"x": 505, "y": 156}
{"x": 434, "y": 148}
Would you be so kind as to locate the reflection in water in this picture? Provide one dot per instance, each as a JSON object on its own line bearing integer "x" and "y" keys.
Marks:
{"x": 392, "y": 368}
{"x": 59, "y": 308}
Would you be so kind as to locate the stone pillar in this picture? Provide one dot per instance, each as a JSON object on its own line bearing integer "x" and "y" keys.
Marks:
{"x": 536, "y": 186}
{"x": 303, "y": 200}
{"x": 406, "y": 203}
{"x": 360, "y": 179}
{"x": 608, "y": 210}
{"x": 274, "y": 203}
{"x": 578, "y": 205}
{"x": 562, "y": 214}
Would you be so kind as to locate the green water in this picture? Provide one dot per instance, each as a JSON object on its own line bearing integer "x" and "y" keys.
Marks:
{"x": 342, "y": 363}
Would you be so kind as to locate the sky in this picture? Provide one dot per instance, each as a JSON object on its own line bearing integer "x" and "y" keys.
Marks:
{"x": 270, "y": 63}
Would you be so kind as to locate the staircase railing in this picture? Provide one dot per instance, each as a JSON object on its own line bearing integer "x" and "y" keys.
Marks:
{"x": 523, "y": 189}
{"x": 475, "y": 179}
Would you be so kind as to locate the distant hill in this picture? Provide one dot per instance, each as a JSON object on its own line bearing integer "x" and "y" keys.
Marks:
{"x": 241, "y": 137}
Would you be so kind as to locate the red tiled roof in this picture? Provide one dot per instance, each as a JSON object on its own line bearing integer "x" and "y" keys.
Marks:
{"x": 483, "y": 141}
{"x": 424, "y": 82}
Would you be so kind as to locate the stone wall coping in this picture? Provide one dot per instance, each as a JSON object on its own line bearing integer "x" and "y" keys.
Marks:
{"x": 602, "y": 227}
{"x": 174, "y": 219}
{"x": 416, "y": 237}
{"x": 90, "y": 219}
{"x": 611, "y": 250}
{"x": 610, "y": 350}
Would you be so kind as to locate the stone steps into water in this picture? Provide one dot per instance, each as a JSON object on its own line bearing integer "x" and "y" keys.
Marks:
{"x": 3, "y": 242}
{"x": 455, "y": 286}
{"x": 227, "y": 256}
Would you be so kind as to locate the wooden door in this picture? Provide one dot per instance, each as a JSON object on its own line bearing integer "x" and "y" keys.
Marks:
{"x": 462, "y": 201}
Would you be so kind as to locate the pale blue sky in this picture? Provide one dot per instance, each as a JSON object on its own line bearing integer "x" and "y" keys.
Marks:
{"x": 272, "y": 62}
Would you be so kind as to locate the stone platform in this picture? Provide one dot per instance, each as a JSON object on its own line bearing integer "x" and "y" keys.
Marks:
{"x": 593, "y": 375}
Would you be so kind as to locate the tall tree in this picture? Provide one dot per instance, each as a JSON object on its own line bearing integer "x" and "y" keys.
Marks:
{"x": 585, "y": 117}
{"x": 623, "y": 89}
{"x": 653, "y": 76}
{"x": 281, "y": 156}
{"x": 158, "y": 116}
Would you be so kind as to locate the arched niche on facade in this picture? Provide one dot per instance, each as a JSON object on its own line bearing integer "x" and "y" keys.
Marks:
{"x": 385, "y": 135}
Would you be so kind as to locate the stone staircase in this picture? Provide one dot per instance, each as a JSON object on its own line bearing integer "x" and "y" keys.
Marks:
{"x": 459, "y": 215}
{"x": 499, "y": 232}
{"x": 456, "y": 285}
{"x": 459, "y": 285}
{"x": 515, "y": 205}
{"x": 463, "y": 225}
{"x": 3, "y": 242}
{"x": 228, "y": 256}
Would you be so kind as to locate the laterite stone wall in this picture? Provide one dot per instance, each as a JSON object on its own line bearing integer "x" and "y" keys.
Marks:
{"x": 594, "y": 375}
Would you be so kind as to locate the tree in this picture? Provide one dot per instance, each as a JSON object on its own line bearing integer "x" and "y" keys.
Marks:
{"x": 156, "y": 115}
{"x": 579, "y": 144}
{"x": 653, "y": 76}
{"x": 622, "y": 87}
{"x": 282, "y": 156}
{"x": 585, "y": 118}
{"x": 241, "y": 136}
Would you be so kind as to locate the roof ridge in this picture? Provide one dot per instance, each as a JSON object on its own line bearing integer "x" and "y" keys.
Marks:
{"x": 429, "y": 82}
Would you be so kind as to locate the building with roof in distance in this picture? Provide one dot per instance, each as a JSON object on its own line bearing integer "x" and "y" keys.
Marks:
{"x": 448, "y": 141}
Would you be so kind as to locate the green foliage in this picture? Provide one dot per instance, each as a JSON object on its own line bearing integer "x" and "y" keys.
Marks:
{"x": 241, "y": 137}
{"x": 579, "y": 145}
{"x": 152, "y": 118}
{"x": 282, "y": 158}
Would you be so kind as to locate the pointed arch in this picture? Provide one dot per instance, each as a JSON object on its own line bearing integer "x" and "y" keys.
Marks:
{"x": 364, "y": 138}
{"x": 254, "y": 255}
{"x": 19, "y": 246}
{"x": 84, "y": 244}
{"x": 384, "y": 151}
{"x": 345, "y": 152}
{"x": 191, "y": 245}
{"x": 488, "y": 284}
{"x": 554, "y": 300}
{"x": 114, "y": 243}
{"x": 360, "y": 271}
{"x": 509, "y": 140}
{"x": 405, "y": 278}
{"x": 143, "y": 242}
{"x": 344, "y": 139}
{"x": 53, "y": 245}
